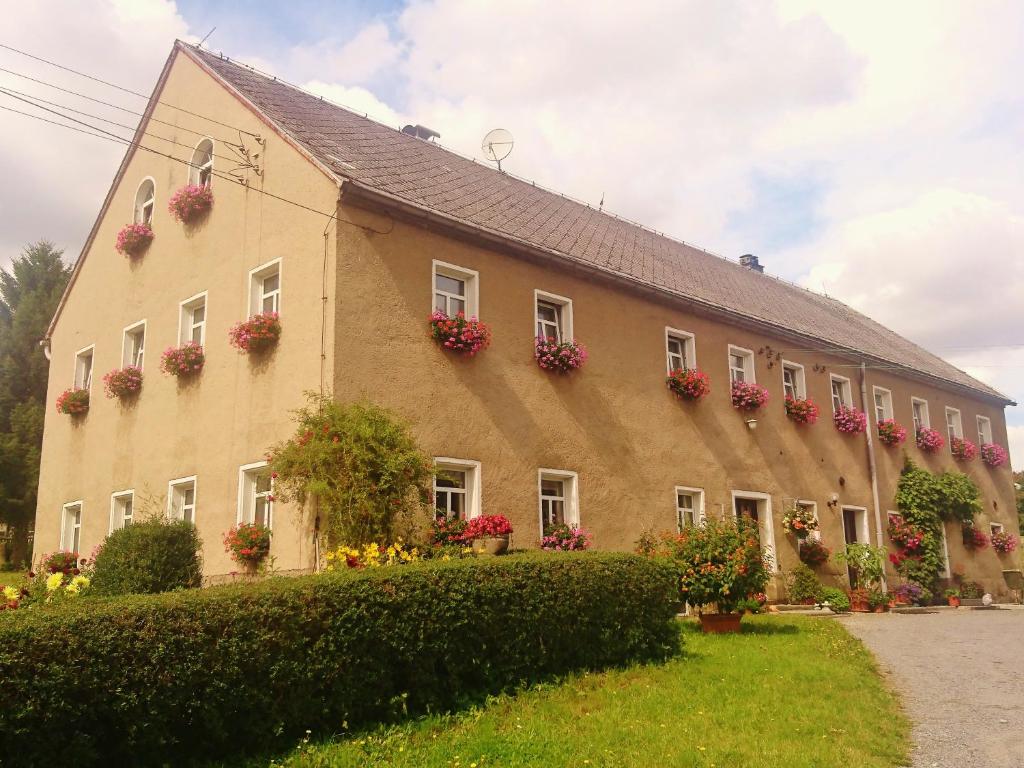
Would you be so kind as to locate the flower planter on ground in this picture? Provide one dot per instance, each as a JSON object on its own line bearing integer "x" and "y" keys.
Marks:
{"x": 688, "y": 383}
{"x": 890, "y": 433}
{"x": 134, "y": 239}
{"x": 190, "y": 203}
{"x": 994, "y": 455}
{"x": 565, "y": 538}
{"x": 257, "y": 334}
{"x": 720, "y": 623}
{"x": 488, "y": 534}
{"x": 73, "y": 402}
{"x": 859, "y": 601}
{"x": 561, "y": 356}
{"x": 929, "y": 440}
{"x": 801, "y": 411}
{"x": 183, "y": 361}
{"x": 248, "y": 544}
{"x": 490, "y": 545}
{"x": 458, "y": 334}
{"x": 123, "y": 382}
{"x": 850, "y": 420}
{"x": 747, "y": 396}
{"x": 962, "y": 450}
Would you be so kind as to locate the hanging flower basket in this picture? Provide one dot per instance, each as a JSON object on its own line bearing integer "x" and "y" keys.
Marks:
{"x": 891, "y": 433}
{"x": 801, "y": 411}
{"x": 850, "y": 420}
{"x": 459, "y": 334}
{"x": 248, "y": 544}
{"x": 993, "y": 454}
{"x": 974, "y": 538}
{"x": 190, "y": 203}
{"x": 561, "y": 356}
{"x": 186, "y": 360}
{"x": 133, "y": 239}
{"x": 962, "y": 450}
{"x": 799, "y": 521}
{"x": 123, "y": 382}
{"x": 73, "y": 402}
{"x": 258, "y": 333}
{"x": 813, "y": 552}
{"x": 909, "y": 538}
{"x": 688, "y": 383}
{"x": 1004, "y": 543}
{"x": 748, "y": 396}
{"x": 929, "y": 440}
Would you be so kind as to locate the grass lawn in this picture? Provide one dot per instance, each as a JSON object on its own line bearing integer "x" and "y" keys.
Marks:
{"x": 788, "y": 692}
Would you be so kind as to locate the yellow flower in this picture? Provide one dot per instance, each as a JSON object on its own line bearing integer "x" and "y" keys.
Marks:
{"x": 11, "y": 593}
{"x": 80, "y": 581}
{"x": 53, "y": 581}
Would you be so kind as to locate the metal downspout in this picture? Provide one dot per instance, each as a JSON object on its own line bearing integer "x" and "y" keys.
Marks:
{"x": 872, "y": 465}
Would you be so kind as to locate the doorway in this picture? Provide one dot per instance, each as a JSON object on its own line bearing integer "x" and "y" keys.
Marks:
{"x": 758, "y": 508}
{"x": 855, "y": 531}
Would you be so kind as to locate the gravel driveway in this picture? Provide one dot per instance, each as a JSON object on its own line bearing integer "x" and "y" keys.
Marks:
{"x": 961, "y": 675}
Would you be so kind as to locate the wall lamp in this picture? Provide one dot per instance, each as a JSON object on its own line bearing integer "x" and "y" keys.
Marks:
{"x": 751, "y": 424}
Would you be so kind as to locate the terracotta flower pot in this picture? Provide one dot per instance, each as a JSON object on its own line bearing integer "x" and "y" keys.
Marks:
{"x": 954, "y": 602}
{"x": 720, "y": 623}
{"x": 859, "y": 606}
{"x": 490, "y": 545}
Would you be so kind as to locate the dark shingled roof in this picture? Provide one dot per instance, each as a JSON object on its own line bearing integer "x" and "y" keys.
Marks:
{"x": 430, "y": 177}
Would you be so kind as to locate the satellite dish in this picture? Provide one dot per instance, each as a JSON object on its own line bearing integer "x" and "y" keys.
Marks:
{"x": 497, "y": 145}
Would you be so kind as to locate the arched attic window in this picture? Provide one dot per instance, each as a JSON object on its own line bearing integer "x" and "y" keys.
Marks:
{"x": 145, "y": 202}
{"x": 201, "y": 171}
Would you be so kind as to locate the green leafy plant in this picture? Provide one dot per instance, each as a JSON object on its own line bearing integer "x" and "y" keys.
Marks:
{"x": 150, "y": 556}
{"x": 803, "y": 586}
{"x": 867, "y": 563}
{"x": 877, "y": 598}
{"x": 970, "y": 590}
{"x": 837, "y": 600}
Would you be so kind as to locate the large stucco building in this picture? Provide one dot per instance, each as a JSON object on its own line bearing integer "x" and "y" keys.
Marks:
{"x": 354, "y": 232}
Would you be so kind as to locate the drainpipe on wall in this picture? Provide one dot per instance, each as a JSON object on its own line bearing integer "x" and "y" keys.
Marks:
{"x": 872, "y": 466}
{"x": 45, "y": 344}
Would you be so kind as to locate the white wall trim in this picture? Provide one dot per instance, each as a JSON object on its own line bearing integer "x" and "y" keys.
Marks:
{"x": 572, "y": 503}
{"x": 875, "y": 390}
{"x": 698, "y": 494}
{"x": 124, "y": 343}
{"x": 242, "y": 470}
{"x": 959, "y": 421}
{"x": 691, "y": 357}
{"x": 470, "y": 276}
{"x": 257, "y": 273}
{"x": 113, "y": 505}
{"x": 92, "y": 374}
{"x": 927, "y": 414}
{"x": 767, "y": 523}
{"x": 474, "y": 493}
{"x": 137, "y": 203}
{"x": 195, "y": 494}
{"x": 184, "y": 306}
{"x": 193, "y": 169}
{"x": 847, "y": 390}
{"x": 568, "y": 327}
{"x": 749, "y": 366}
{"x": 865, "y": 528}
{"x": 63, "y": 516}
{"x": 801, "y": 379}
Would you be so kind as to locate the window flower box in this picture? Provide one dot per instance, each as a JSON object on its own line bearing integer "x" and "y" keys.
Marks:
{"x": 993, "y": 454}
{"x": 466, "y": 336}
{"x": 123, "y": 382}
{"x": 748, "y": 396}
{"x": 850, "y": 420}
{"x": 929, "y": 440}
{"x": 186, "y": 360}
{"x": 973, "y": 537}
{"x": 890, "y": 432}
{"x": 688, "y": 383}
{"x": 73, "y": 402}
{"x": 565, "y": 538}
{"x": 802, "y": 411}
{"x": 962, "y": 450}
{"x": 799, "y": 521}
{"x": 190, "y": 203}
{"x": 561, "y": 356}
{"x": 257, "y": 334}
{"x": 1004, "y": 543}
{"x": 134, "y": 239}
{"x": 248, "y": 544}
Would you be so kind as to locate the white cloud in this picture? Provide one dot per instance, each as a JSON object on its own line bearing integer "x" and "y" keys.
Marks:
{"x": 357, "y": 99}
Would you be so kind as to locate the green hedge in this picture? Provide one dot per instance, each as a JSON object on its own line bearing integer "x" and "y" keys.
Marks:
{"x": 182, "y": 677}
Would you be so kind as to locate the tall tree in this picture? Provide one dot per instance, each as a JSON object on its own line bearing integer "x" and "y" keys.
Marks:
{"x": 29, "y": 292}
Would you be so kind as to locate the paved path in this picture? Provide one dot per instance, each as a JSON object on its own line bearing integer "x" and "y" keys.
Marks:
{"x": 961, "y": 674}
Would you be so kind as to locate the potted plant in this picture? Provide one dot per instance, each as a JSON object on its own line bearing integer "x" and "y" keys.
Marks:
{"x": 850, "y": 420}
{"x": 929, "y": 440}
{"x": 962, "y": 450}
{"x": 488, "y": 534}
{"x": 186, "y": 360}
{"x": 565, "y": 538}
{"x": 859, "y": 600}
{"x": 907, "y": 594}
{"x": 973, "y": 537}
{"x": 133, "y": 239}
{"x": 799, "y": 521}
{"x": 803, "y": 586}
{"x": 953, "y": 597}
{"x": 459, "y": 334}
{"x": 688, "y": 383}
{"x": 747, "y": 396}
{"x": 802, "y": 411}
{"x": 890, "y": 432}
{"x": 1003, "y": 542}
{"x": 73, "y": 402}
{"x": 257, "y": 334}
{"x": 248, "y": 544}
{"x": 970, "y": 593}
{"x": 865, "y": 562}
{"x": 123, "y": 382}
{"x": 560, "y": 356}
{"x": 190, "y": 203}
{"x": 878, "y": 601}
{"x": 813, "y": 552}
{"x": 994, "y": 455}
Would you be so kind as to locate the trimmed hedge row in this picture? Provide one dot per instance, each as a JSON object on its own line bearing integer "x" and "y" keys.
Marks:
{"x": 220, "y": 672}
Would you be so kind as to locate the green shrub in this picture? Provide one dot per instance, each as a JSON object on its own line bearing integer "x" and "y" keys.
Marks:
{"x": 803, "y": 585}
{"x": 147, "y": 557}
{"x": 219, "y": 672}
{"x": 837, "y": 600}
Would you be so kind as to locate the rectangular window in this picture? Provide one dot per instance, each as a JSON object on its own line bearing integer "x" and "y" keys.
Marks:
{"x": 83, "y": 368}
{"x": 920, "y": 408}
{"x": 841, "y": 393}
{"x": 192, "y": 320}
{"x": 689, "y": 506}
{"x": 265, "y": 288}
{"x": 793, "y": 382}
{"x": 456, "y": 488}
{"x": 133, "y": 346}
{"x": 995, "y": 528}
{"x": 181, "y": 499}
{"x": 954, "y": 427}
{"x": 741, "y": 364}
{"x": 812, "y": 507}
{"x": 984, "y": 430}
{"x": 256, "y": 494}
{"x": 455, "y": 290}
{"x": 883, "y": 404}
{"x": 558, "y": 498}
{"x": 552, "y": 317}
{"x": 122, "y": 509}
{"x": 71, "y": 527}
{"x": 680, "y": 350}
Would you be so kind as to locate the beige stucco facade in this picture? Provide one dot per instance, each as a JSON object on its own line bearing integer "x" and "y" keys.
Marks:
{"x": 613, "y": 424}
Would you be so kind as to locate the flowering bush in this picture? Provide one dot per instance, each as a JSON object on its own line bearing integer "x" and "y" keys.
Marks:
{"x": 748, "y": 396}
{"x": 994, "y": 454}
{"x": 1004, "y": 542}
{"x": 688, "y": 383}
{"x": 561, "y": 356}
{"x": 459, "y": 334}
{"x": 962, "y": 450}
{"x": 372, "y": 555}
{"x": 565, "y": 538}
{"x": 801, "y": 411}
{"x": 799, "y": 521}
{"x": 891, "y": 433}
{"x": 123, "y": 382}
{"x": 248, "y": 544}
{"x": 133, "y": 239}
{"x": 850, "y": 420}
{"x": 60, "y": 562}
{"x": 444, "y": 532}
{"x": 908, "y": 593}
{"x": 190, "y": 202}
{"x": 184, "y": 360}
{"x": 906, "y": 536}
{"x": 256, "y": 334}
{"x": 61, "y": 576}
{"x": 929, "y": 440}
{"x": 487, "y": 525}
{"x": 73, "y": 401}
{"x": 974, "y": 537}
{"x": 813, "y": 552}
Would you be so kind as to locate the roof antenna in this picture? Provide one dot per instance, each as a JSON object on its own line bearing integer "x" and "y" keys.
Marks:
{"x": 497, "y": 145}
{"x": 600, "y": 206}
{"x": 206, "y": 38}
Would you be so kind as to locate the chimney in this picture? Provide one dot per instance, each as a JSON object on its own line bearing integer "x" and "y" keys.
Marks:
{"x": 750, "y": 261}
{"x": 421, "y": 132}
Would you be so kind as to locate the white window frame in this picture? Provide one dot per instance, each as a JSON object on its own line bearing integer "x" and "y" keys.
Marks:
{"x": 571, "y": 498}
{"x": 768, "y": 522}
{"x": 174, "y": 488}
{"x": 814, "y": 508}
{"x": 984, "y": 429}
{"x": 138, "y": 205}
{"x": 748, "y": 370}
{"x": 91, "y": 349}
{"x": 845, "y": 388}
{"x": 195, "y": 172}
{"x": 244, "y": 473}
{"x": 130, "y": 331}
{"x": 887, "y": 412}
{"x": 689, "y": 348}
{"x": 957, "y": 422}
{"x": 185, "y": 322}
{"x": 864, "y": 528}
{"x": 256, "y": 278}
{"x": 946, "y": 572}
{"x": 77, "y": 527}
{"x": 474, "y": 481}
{"x": 565, "y": 321}
{"x": 698, "y": 505}
{"x": 799, "y": 380}
{"x": 926, "y": 420}
{"x": 470, "y": 277}
{"x": 115, "y": 498}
